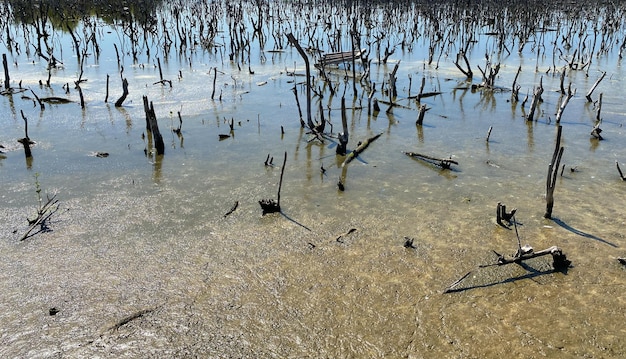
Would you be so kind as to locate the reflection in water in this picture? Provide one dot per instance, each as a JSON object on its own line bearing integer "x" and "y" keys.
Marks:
{"x": 62, "y": 14}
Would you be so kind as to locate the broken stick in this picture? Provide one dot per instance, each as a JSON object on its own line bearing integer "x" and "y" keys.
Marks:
{"x": 360, "y": 148}
{"x": 443, "y": 163}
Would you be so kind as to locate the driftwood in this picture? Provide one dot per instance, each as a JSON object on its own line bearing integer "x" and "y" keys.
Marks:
{"x": 444, "y": 163}
{"x": 270, "y": 205}
{"x": 360, "y": 148}
{"x": 559, "y": 260}
{"x": 553, "y": 170}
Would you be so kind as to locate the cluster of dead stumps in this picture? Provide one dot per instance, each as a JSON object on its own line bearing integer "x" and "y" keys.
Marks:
{"x": 441, "y": 40}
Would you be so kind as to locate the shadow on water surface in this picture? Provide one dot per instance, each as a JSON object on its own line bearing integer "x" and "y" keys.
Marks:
{"x": 532, "y": 274}
{"x": 581, "y": 233}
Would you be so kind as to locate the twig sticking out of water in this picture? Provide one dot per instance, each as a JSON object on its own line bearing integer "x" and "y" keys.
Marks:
{"x": 44, "y": 213}
{"x": 270, "y": 205}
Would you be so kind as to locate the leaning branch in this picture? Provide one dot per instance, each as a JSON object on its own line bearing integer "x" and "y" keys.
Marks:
{"x": 357, "y": 151}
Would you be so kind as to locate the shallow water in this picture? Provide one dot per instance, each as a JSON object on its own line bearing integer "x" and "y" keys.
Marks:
{"x": 139, "y": 234}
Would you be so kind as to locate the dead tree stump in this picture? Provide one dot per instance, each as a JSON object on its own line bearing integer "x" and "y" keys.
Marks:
{"x": 536, "y": 99}
{"x": 270, "y": 205}
{"x": 344, "y": 136}
{"x": 122, "y": 98}
{"x": 152, "y": 126}
{"x": 553, "y": 170}
{"x": 5, "y": 65}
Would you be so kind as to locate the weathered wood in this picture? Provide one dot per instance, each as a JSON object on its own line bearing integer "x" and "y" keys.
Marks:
{"x": 270, "y": 205}
{"x": 515, "y": 87}
{"x": 598, "y": 118}
{"x": 307, "y": 66}
{"x": 26, "y": 142}
{"x": 553, "y": 169}
{"x": 5, "y": 65}
{"x": 501, "y": 214}
{"x": 162, "y": 81}
{"x": 360, "y": 148}
{"x": 594, "y": 87}
{"x": 536, "y": 99}
{"x": 420, "y": 115}
{"x": 468, "y": 73}
{"x": 152, "y": 126}
{"x": 41, "y": 105}
{"x": 443, "y": 163}
{"x": 568, "y": 97}
{"x": 559, "y": 261}
{"x": 214, "y": 80}
{"x": 106, "y": 96}
{"x": 344, "y": 136}
{"x": 122, "y": 98}
{"x": 595, "y": 132}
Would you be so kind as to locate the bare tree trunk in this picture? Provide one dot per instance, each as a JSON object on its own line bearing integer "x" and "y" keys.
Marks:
{"x": 553, "y": 170}
{"x": 119, "y": 101}
{"x": 343, "y": 137}
{"x": 5, "y": 64}
{"x": 295, "y": 43}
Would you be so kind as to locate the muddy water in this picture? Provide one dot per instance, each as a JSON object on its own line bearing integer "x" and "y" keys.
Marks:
{"x": 141, "y": 261}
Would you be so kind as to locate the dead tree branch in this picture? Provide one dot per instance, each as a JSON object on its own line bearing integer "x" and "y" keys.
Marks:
{"x": 360, "y": 148}
{"x": 444, "y": 163}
